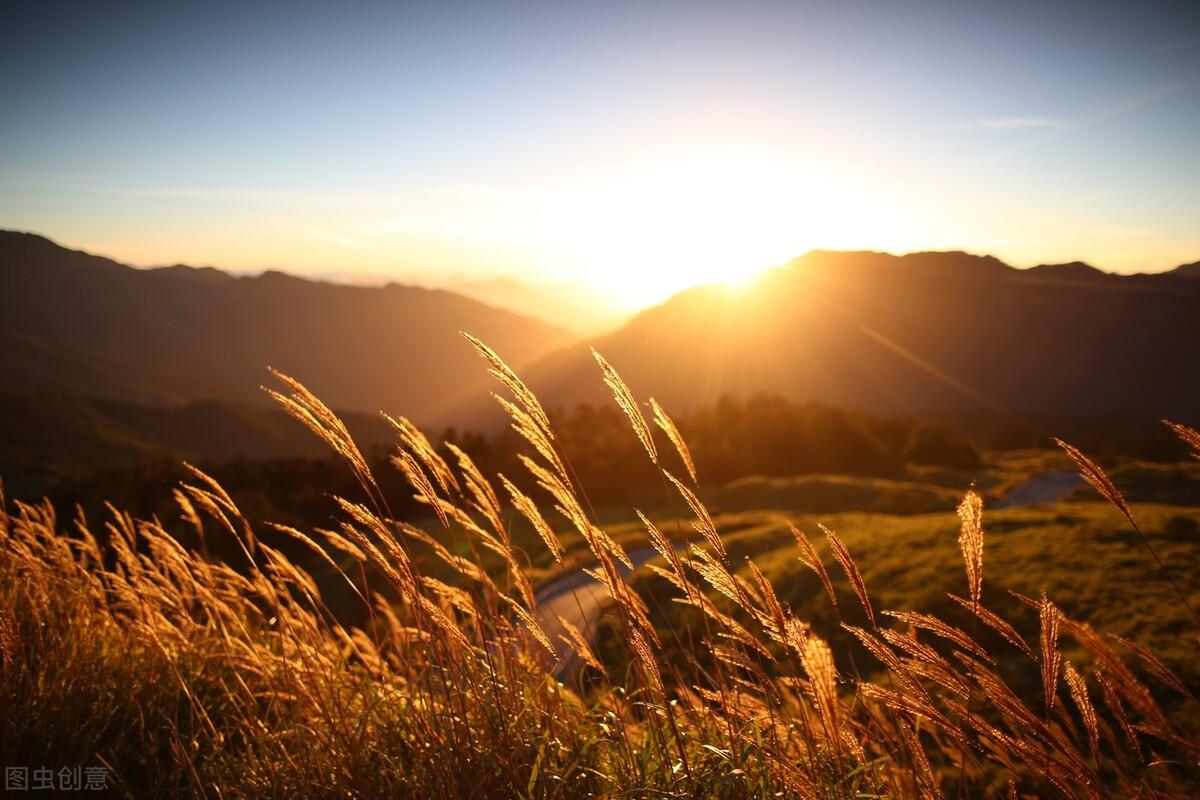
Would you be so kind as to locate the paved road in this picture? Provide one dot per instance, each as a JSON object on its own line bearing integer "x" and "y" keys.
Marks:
{"x": 1048, "y": 487}
{"x": 580, "y": 599}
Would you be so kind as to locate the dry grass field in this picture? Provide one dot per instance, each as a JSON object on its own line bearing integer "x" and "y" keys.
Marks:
{"x": 764, "y": 659}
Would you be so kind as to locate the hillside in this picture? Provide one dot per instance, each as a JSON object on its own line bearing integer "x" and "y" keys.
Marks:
{"x": 924, "y": 333}
{"x": 47, "y": 435}
{"x": 572, "y": 306}
{"x": 1187, "y": 270}
{"x": 78, "y": 323}
{"x": 1082, "y": 554}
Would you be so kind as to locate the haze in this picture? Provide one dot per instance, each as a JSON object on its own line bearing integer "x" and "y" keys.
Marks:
{"x": 635, "y": 150}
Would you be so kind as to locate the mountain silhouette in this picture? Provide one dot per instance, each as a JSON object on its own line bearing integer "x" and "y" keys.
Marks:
{"x": 46, "y": 434}
{"x": 569, "y": 305}
{"x": 78, "y": 323}
{"x": 930, "y": 334}
{"x": 925, "y": 333}
{"x": 1187, "y": 270}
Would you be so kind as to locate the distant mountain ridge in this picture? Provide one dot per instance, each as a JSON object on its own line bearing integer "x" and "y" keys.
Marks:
{"x": 81, "y": 323}
{"x": 46, "y": 434}
{"x": 922, "y": 333}
{"x": 568, "y": 305}
{"x": 1075, "y": 269}
{"x": 1187, "y": 270}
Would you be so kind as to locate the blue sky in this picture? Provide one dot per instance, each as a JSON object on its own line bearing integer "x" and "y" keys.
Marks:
{"x": 638, "y": 148}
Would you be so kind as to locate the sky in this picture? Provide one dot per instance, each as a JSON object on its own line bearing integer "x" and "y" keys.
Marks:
{"x": 636, "y": 148}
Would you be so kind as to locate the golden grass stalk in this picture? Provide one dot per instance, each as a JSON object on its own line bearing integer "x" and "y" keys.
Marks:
{"x": 704, "y": 524}
{"x": 1190, "y": 436}
{"x": 1051, "y": 658}
{"x": 715, "y": 573}
{"x": 316, "y": 416}
{"x": 601, "y": 541}
{"x": 553, "y": 484}
{"x": 842, "y": 554}
{"x": 664, "y": 421}
{"x": 926, "y": 660}
{"x": 817, "y": 660}
{"x": 927, "y": 782}
{"x": 1100, "y": 481}
{"x": 1112, "y": 700}
{"x": 1079, "y": 694}
{"x": 461, "y": 601}
{"x": 342, "y": 544}
{"x": 734, "y": 629}
{"x": 795, "y": 634}
{"x": 942, "y": 629}
{"x": 997, "y": 624}
{"x": 414, "y": 440}
{"x": 645, "y": 658}
{"x": 883, "y": 654}
{"x": 914, "y": 705}
{"x": 531, "y": 625}
{"x": 1136, "y": 692}
{"x": 416, "y": 476}
{"x": 579, "y": 643}
{"x": 970, "y": 540}
{"x": 463, "y": 566}
{"x": 532, "y": 432}
{"x": 1157, "y": 667}
{"x": 240, "y": 681}
{"x": 320, "y": 552}
{"x": 810, "y": 559}
{"x": 668, "y": 551}
{"x": 772, "y": 616}
{"x": 514, "y": 384}
{"x": 528, "y": 509}
{"x": 628, "y": 404}
{"x": 482, "y": 495}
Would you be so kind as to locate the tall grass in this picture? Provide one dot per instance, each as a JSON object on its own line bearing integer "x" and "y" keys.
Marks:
{"x": 123, "y": 648}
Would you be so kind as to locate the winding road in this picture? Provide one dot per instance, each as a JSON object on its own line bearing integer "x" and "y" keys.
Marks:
{"x": 579, "y": 599}
{"x": 1047, "y": 487}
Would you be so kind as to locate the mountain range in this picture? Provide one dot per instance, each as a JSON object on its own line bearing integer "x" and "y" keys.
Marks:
{"x": 81, "y": 323}
{"x": 924, "y": 333}
{"x": 572, "y": 306}
{"x": 168, "y": 361}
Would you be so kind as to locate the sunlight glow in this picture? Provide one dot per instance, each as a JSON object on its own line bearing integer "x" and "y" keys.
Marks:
{"x": 633, "y": 231}
{"x": 714, "y": 217}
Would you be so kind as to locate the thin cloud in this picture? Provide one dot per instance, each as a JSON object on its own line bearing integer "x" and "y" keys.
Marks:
{"x": 72, "y": 184}
{"x": 490, "y": 191}
{"x": 1126, "y": 105}
{"x": 1177, "y": 45}
{"x": 1140, "y": 100}
{"x": 1124, "y": 232}
{"x": 341, "y": 239}
{"x": 1008, "y": 123}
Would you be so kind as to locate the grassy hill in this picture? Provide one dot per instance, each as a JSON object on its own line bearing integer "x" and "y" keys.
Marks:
{"x": 1082, "y": 554}
{"x": 337, "y": 661}
{"x": 47, "y": 435}
{"x": 925, "y": 333}
{"x": 81, "y": 323}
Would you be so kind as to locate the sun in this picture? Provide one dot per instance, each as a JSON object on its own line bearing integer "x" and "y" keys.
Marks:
{"x": 653, "y": 227}
{"x": 716, "y": 218}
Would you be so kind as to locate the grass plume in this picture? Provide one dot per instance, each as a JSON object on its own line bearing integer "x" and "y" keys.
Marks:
{"x": 123, "y": 645}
